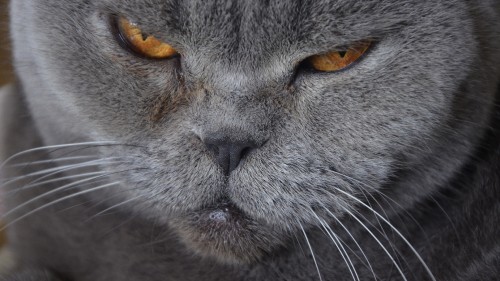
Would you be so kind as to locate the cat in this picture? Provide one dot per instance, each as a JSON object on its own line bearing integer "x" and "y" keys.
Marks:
{"x": 253, "y": 140}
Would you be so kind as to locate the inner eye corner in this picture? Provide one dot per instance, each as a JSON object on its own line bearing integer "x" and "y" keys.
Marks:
{"x": 296, "y": 69}
{"x": 114, "y": 21}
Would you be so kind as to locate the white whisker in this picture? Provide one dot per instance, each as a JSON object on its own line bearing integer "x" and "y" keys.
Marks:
{"x": 335, "y": 236}
{"x": 94, "y": 143}
{"x": 55, "y": 160}
{"x": 20, "y": 206}
{"x": 124, "y": 222}
{"x": 296, "y": 240}
{"x": 396, "y": 230}
{"x": 380, "y": 228}
{"x": 54, "y": 180}
{"x": 386, "y": 198}
{"x": 56, "y": 170}
{"x": 114, "y": 206}
{"x": 354, "y": 240}
{"x": 378, "y": 242}
{"x": 331, "y": 234}
{"x": 57, "y": 201}
{"x": 447, "y": 216}
{"x": 312, "y": 252}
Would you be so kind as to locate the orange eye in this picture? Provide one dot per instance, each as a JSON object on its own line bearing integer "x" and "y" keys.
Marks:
{"x": 337, "y": 60}
{"x": 145, "y": 45}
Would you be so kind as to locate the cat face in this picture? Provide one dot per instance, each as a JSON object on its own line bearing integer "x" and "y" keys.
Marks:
{"x": 299, "y": 145}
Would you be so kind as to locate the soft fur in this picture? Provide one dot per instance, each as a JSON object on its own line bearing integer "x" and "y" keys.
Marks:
{"x": 401, "y": 144}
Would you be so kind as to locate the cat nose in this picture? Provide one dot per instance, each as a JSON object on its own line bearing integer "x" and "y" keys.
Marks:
{"x": 228, "y": 153}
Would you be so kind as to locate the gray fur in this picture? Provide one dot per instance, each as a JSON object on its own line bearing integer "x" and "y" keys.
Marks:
{"x": 412, "y": 120}
{"x": 30, "y": 274}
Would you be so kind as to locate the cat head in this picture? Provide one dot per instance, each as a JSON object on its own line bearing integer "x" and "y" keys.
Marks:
{"x": 237, "y": 140}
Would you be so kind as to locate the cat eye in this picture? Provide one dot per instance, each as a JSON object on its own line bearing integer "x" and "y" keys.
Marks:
{"x": 143, "y": 44}
{"x": 338, "y": 60}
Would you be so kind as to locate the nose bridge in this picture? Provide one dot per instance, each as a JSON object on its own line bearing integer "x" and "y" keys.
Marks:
{"x": 230, "y": 134}
{"x": 236, "y": 82}
{"x": 232, "y": 124}
{"x": 234, "y": 118}
{"x": 234, "y": 105}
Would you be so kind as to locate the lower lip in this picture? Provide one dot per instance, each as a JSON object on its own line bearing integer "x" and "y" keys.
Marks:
{"x": 220, "y": 216}
{"x": 223, "y": 214}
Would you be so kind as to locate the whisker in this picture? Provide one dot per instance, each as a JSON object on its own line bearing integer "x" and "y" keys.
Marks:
{"x": 66, "y": 186}
{"x": 377, "y": 240}
{"x": 386, "y": 198}
{"x": 55, "y": 147}
{"x": 94, "y": 204}
{"x": 394, "y": 249}
{"x": 62, "y": 159}
{"x": 130, "y": 219}
{"x": 447, "y": 216}
{"x": 154, "y": 242}
{"x": 379, "y": 231}
{"x": 331, "y": 234}
{"x": 353, "y": 239}
{"x": 113, "y": 207}
{"x": 125, "y": 222}
{"x": 296, "y": 240}
{"x": 396, "y": 230}
{"x": 58, "y": 201}
{"x": 380, "y": 228}
{"x": 312, "y": 252}
{"x": 57, "y": 170}
{"x": 76, "y": 205}
{"x": 345, "y": 254}
{"x": 28, "y": 186}
{"x": 356, "y": 255}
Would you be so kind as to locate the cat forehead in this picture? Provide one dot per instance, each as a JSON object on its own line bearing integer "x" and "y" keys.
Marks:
{"x": 257, "y": 31}
{"x": 259, "y": 9}
{"x": 299, "y": 19}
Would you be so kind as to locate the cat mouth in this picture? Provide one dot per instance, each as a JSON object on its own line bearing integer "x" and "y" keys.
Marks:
{"x": 224, "y": 217}
{"x": 225, "y": 232}
{"x": 225, "y": 214}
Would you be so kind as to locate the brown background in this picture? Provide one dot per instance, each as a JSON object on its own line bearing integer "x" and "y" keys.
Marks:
{"x": 5, "y": 66}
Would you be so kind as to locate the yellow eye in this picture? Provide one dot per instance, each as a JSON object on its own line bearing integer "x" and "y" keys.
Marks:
{"x": 336, "y": 60}
{"x": 145, "y": 45}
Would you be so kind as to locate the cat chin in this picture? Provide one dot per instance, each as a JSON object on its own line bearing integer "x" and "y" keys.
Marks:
{"x": 226, "y": 234}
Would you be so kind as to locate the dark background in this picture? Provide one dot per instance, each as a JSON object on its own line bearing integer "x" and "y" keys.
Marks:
{"x": 5, "y": 66}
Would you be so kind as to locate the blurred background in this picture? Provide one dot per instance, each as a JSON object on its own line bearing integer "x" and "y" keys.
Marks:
{"x": 5, "y": 77}
{"x": 5, "y": 65}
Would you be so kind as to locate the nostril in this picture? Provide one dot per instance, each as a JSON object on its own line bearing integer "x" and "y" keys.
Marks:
{"x": 228, "y": 154}
{"x": 244, "y": 152}
{"x": 213, "y": 148}
{"x": 236, "y": 154}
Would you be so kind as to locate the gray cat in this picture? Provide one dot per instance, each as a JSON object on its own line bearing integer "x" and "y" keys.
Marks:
{"x": 253, "y": 140}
